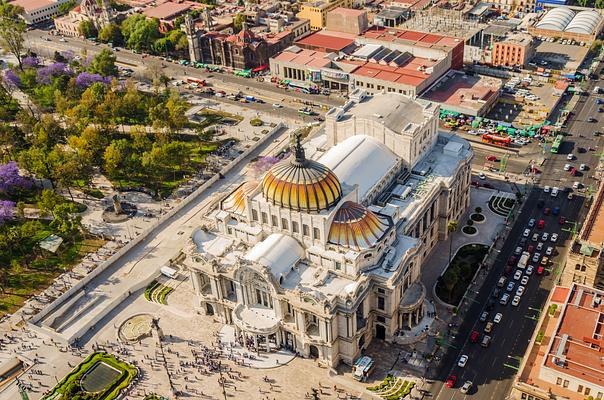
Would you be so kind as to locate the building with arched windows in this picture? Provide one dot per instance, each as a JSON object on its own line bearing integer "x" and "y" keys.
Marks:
{"x": 324, "y": 253}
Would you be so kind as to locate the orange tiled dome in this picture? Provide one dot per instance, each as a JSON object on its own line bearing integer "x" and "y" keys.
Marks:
{"x": 301, "y": 184}
{"x": 235, "y": 202}
{"x": 356, "y": 227}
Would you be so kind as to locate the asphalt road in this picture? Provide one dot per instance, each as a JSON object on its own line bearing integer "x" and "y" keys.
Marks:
{"x": 221, "y": 81}
{"x": 492, "y": 369}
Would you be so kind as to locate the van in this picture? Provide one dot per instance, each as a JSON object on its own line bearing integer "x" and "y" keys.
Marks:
{"x": 501, "y": 282}
{"x": 486, "y": 341}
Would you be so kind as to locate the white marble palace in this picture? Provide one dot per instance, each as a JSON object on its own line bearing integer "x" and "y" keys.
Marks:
{"x": 325, "y": 252}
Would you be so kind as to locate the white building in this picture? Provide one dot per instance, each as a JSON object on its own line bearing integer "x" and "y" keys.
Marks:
{"x": 325, "y": 253}
{"x": 36, "y": 11}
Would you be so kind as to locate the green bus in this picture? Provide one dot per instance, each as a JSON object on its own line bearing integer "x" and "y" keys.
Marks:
{"x": 556, "y": 145}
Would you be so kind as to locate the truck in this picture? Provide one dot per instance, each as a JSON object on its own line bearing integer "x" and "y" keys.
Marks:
{"x": 523, "y": 260}
{"x": 362, "y": 368}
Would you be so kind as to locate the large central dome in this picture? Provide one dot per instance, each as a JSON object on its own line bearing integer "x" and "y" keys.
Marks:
{"x": 301, "y": 184}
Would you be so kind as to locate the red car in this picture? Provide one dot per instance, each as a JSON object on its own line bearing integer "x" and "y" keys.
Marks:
{"x": 491, "y": 158}
{"x": 451, "y": 381}
{"x": 562, "y": 220}
{"x": 530, "y": 248}
{"x": 541, "y": 222}
{"x": 540, "y": 270}
{"x": 474, "y": 336}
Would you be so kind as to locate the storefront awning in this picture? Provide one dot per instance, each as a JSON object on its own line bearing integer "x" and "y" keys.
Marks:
{"x": 260, "y": 68}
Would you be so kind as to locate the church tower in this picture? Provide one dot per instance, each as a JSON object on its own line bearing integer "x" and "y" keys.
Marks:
{"x": 193, "y": 39}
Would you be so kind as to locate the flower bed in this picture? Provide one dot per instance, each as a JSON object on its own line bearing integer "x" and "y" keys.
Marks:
{"x": 469, "y": 230}
{"x": 477, "y": 217}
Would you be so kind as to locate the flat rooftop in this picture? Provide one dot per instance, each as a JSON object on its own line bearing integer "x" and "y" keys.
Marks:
{"x": 459, "y": 90}
{"x": 32, "y": 5}
{"x": 166, "y": 10}
{"x": 408, "y": 74}
{"x": 414, "y": 38}
{"x": 576, "y": 346}
{"x": 323, "y": 40}
{"x": 593, "y": 228}
{"x": 309, "y": 58}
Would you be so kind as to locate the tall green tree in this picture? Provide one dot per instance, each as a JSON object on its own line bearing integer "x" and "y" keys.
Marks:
{"x": 12, "y": 29}
{"x": 111, "y": 33}
{"x": 238, "y": 21}
{"x": 104, "y": 63}
{"x": 47, "y": 201}
{"x": 87, "y": 29}
{"x": 451, "y": 227}
{"x": 139, "y": 32}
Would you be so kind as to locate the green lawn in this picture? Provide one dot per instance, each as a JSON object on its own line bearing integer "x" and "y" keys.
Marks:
{"x": 70, "y": 386}
{"x": 30, "y": 275}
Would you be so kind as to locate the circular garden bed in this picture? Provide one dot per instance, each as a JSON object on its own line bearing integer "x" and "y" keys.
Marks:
{"x": 469, "y": 230}
{"x": 478, "y": 218}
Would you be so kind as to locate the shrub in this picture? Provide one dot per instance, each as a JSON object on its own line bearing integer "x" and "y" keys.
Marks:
{"x": 256, "y": 122}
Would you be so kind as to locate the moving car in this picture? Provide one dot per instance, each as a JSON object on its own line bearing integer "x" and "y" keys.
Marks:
{"x": 491, "y": 158}
{"x": 463, "y": 360}
{"x": 482, "y": 176}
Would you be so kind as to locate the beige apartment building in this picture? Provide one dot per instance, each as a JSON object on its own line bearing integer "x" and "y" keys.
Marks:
{"x": 316, "y": 11}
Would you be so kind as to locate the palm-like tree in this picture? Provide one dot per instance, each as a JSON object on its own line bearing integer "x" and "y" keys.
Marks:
{"x": 451, "y": 227}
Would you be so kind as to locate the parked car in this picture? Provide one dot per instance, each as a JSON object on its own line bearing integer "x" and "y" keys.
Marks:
{"x": 488, "y": 327}
{"x": 466, "y": 387}
{"x": 554, "y": 238}
{"x": 520, "y": 290}
{"x": 484, "y": 316}
{"x": 510, "y": 286}
{"x": 535, "y": 237}
{"x": 549, "y": 251}
{"x": 526, "y": 232}
{"x": 474, "y": 336}
{"x": 497, "y": 318}
{"x": 539, "y": 246}
{"x": 529, "y": 270}
{"x": 463, "y": 360}
{"x": 536, "y": 257}
{"x": 516, "y": 301}
{"x": 524, "y": 280}
{"x": 451, "y": 381}
{"x": 545, "y": 236}
{"x": 531, "y": 223}
{"x": 504, "y": 299}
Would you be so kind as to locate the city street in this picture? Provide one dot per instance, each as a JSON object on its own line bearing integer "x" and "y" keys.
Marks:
{"x": 492, "y": 369}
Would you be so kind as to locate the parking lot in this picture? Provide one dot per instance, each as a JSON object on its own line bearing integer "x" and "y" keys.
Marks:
{"x": 559, "y": 56}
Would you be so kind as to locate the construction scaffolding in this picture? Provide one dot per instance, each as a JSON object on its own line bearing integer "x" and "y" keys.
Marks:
{"x": 442, "y": 21}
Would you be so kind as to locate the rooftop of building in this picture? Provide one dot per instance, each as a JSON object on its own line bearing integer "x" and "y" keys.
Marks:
{"x": 565, "y": 19}
{"x": 308, "y": 58}
{"x": 463, "y": 91}
{"x": 575, "y": 347}
{"x": 412, "y": 73}
{"x": 519, "y": 38}
{"x": 166, "y": 10}
{"x": 32, "y": 5}
{"x": 349, "y": 12}
{"x": 391, "y": 12}
{"x": 593, "y": 228}
{"x": 413, "y": 38}
{"x": 336, "y": 41}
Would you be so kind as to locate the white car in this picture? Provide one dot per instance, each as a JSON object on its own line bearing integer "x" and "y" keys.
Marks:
{"x": 482, "y": 176}
{"x": 554, "y": 191}
{"x": 539, "y": 246}
{"x": 463, "y": 360}
{"x": 529, "y": 270}
{"x": 517, "y": 275}
{"x": 567, "y": 167}
{"x": 554, "y": 238}
{"x": 520, "y": 291}
{"x": 535, "y": 237}
{"x": 497, "y": 318}
{"x": 582, "y": 167}
{"x": 524, "y": 280}
{"x": 277, "y": 105}
{"x": 546, "y": 189}
{"x": 549, "y": 251}
{"x": 516, "y": 301}
{"x": 536, "y": 257}
{"x": 570, "y": 157}
{"x": 576, "y": 185}
{"x": 526, "y": 233}
{"x": 545, "y": 236}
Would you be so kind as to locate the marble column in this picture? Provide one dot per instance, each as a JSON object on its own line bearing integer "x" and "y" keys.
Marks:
{"x": 268, "y": 343}
{"x": 256, "y": 342}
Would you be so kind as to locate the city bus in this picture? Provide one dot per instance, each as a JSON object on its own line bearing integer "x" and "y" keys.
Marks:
{"x": 497, "y": 140}
{"x": 556, "y": 145}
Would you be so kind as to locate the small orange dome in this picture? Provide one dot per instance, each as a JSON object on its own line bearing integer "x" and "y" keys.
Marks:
{"x": 356, "y": 227}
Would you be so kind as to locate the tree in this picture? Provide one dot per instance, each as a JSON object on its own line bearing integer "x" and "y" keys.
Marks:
{"x": 238, "y": 21}
{"x": 139, "y": 32}
{"x": 111, "y": 33}
{"x": 115, "y": 157}
{"x": 87, "y": 29}
{"x": 47, "y": 201}
{"x": 66, "y": 221}
{"x": 7, "y": 211}
{"x": 451, "y": 227}
{"x": 449, "y": 280}
{"x": 64, "y": 8}
{"x": 582, "y": 3}
{"x": 10, "y": 179}
{"x": 470, "y": 222}
{"x": 12, "y": 29}
{"x": 104, "y": 63}
{"x": 599, "y": 4}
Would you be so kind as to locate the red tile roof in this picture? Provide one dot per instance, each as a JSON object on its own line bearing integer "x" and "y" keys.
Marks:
{"x": 417, "y": 38}
{"x": 320, "y": 40}
{"x": 407, "y": 74}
